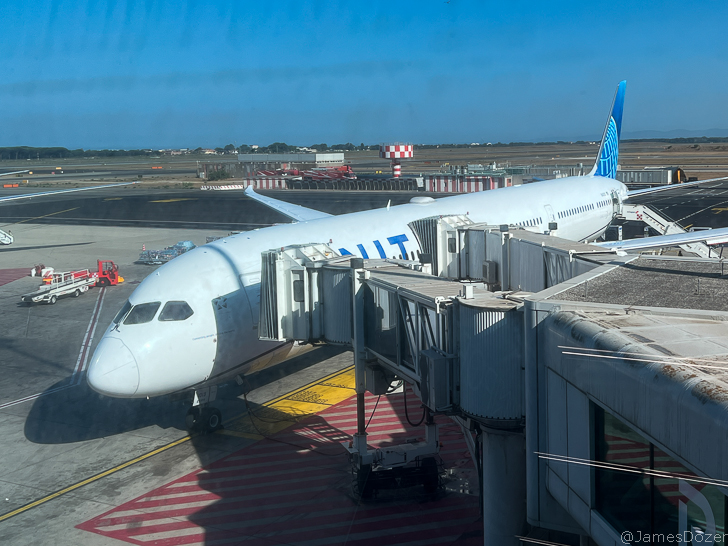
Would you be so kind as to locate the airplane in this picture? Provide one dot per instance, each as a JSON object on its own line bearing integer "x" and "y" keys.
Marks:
{"x": 193, "y": 323}
{"x": 6, "y": 237}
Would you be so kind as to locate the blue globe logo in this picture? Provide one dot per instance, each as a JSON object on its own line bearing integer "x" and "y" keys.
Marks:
{"x": 610, "y": 151}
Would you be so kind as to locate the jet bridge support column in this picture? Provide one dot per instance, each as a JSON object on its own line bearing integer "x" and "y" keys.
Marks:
{"x": 504, "y": 486}
{"x": 357, "y": 342}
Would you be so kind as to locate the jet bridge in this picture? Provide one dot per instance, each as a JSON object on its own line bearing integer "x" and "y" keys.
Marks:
{"x": 456, "y": 335}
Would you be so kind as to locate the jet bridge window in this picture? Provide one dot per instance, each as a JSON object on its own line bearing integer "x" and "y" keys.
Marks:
{"x": 142, "y": 313}
{"x": 175, "y": 310}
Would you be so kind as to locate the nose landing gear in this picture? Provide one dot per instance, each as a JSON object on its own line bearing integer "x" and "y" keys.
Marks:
{"x": 201, "y": 416}
{"x": 203, "y": 419}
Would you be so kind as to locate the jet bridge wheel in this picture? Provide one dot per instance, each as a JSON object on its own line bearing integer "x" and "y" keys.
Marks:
{"x": 365, "y": 482}
{"x": 204, "y": 419}
{"x": 431, "y": 477}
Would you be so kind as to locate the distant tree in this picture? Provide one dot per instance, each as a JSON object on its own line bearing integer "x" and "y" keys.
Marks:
{"x": 244, "y": 149}
{"x": 280, "y": 148}
{"x": 219, "y": 150}
{"x": 229, "y": 149}
{"x": 319, "y": 147}
{"x": 220, "y": 174}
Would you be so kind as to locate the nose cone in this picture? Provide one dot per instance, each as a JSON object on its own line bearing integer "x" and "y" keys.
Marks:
{"x": 113, "y": 370}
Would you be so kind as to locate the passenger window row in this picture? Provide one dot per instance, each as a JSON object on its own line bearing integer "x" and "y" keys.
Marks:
{"x": 532, "y": 222}
{"x": 577, "y": 210}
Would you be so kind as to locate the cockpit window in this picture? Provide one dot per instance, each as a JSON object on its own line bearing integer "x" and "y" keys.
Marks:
{"x": 122, "y": 313}
{"x": 142, "y": 313}
{"x": 176, "y": 310}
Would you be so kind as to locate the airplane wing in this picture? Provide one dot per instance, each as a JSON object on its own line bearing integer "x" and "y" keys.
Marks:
{"x": 297, "y": 213}
{"x": 635, "y": 193}
{"x": 708, "y": 236}
{"x": 5, "y": 198}
{"x": 14, "y": 172}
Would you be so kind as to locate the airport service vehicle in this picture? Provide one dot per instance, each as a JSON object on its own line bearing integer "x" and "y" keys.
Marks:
{"x": 193, "y": 323}
{"x": 72, "y": 283}
{"x": 156, "y": 257}
{"x": 107, "y": 273}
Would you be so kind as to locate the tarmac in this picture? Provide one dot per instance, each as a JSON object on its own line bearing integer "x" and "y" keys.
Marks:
{"x": 79, "y": 468}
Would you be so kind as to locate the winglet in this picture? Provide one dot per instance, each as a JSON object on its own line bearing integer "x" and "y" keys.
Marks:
{"x": 297, "y": 213}
{"x": 606, "y": 163}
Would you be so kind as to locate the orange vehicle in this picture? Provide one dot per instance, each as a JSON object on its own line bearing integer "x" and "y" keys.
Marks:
{"x": 108, "y": 273}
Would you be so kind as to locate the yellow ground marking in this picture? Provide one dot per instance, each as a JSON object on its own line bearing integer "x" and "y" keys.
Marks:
{"x": 718, "y": 210}
{"x": 91, "y": 479}
{"x": 325, "y": 392}
{"x": 37, "y": 217}
{"x": 113, "y": 199}
{"x": 174, "y": 200}
{"x": 284, "y": 411}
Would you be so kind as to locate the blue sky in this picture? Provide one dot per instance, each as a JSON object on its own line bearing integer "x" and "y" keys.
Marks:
{"x": 128, "y": 74}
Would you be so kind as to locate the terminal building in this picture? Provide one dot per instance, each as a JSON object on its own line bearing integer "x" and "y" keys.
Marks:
{"x": 247, "y": 165}
{"x": 592, "y": 387}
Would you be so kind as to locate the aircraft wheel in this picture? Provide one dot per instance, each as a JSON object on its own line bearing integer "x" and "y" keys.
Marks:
{"x": 192, "y": 420}
{"x": 76, "y": 293}
{"x": 212, "y": 419}
{"x": 53, "y": 300}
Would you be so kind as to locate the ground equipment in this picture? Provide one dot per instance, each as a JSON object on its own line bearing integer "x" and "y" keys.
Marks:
{"x": 155, "y": 257}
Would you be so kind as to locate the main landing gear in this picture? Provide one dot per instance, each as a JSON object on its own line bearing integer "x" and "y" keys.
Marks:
{"x": 201, "y": 416}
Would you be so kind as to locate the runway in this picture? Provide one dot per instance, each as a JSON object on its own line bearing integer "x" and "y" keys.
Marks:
{"x": 702, "y": 206}
{"x": 193, "y": 209}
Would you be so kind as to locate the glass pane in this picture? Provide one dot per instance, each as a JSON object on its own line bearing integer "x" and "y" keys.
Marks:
{"x": 622, "y": 497}
{"x": 670, "y": 493}
{"x": 176, "y": 310}
{"x": 142, "y": 313}
{"x": 124, "y": 310}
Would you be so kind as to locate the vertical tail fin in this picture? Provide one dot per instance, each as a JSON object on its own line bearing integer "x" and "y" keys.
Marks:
{"x": 606, "y": 164}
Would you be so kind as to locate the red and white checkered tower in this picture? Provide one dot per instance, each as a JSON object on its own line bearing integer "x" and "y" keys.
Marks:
{"x": 395, "y": 152}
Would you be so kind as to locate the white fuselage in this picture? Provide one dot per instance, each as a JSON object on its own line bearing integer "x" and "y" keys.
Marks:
{"x": 220, "y": 281}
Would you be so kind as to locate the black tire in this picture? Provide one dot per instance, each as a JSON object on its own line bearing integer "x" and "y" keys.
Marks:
{"x": 213, "y": 419}
{"x": 76, "y": 293}
{"x": 364, "y": 482}
{"x": 192, "y": 420}
{"x": 53, "y": 299}
{"x": 207, "y": 420}
{"x": 431, "y": 478}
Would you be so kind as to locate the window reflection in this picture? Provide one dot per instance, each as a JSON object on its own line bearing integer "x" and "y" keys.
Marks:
{"x": 636, "y": 501}
{"x": 142, "y": 313}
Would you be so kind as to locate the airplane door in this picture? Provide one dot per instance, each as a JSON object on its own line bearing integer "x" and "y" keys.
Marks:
{"x": 550, "y": 216}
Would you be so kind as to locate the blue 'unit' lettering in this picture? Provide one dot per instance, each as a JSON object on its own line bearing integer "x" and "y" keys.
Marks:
{"x": 363, "y": 252}
{"x": 399, "y": 240}
{"x": 382, "y": 255}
